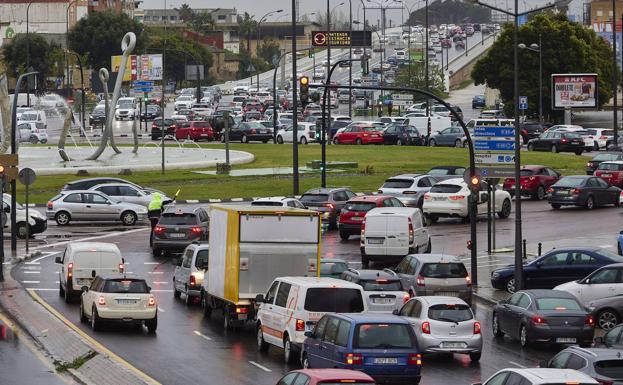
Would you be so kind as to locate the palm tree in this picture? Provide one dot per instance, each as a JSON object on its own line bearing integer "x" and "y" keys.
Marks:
{"x": 186, "y": 13}
{"x": 247, "y": 26}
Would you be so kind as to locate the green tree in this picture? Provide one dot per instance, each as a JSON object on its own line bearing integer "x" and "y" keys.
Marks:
{"x": 567, "y": 48}
{"x": 186, "y": 13}
{"x": 418, "y": 78}
{"x": 247, "y": 26}
{"x": 246, "y": 59}
{"x": 42, "y": 55}
{"x": 450, "y": 11}
{"x": 268, "y": 49}
{"x": 100, "y": 36}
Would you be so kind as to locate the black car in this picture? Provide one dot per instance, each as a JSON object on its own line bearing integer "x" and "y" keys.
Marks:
{"x": 98, "y": 116}
{"x": 178, "y": 228}
{"x": 156, "y": 128}
{"x": 530, "y": 130}
{"x": 554, "y": 268}
{"x": 251, "y": 131}
{"x": 446, "y": 172}
{"x": 401, "y": 135}
{"x": 478, "y": 101}
{"x": 557, "y": 141}
{"x": 550, "y": 316}
{"x": 151, "y": 112}
{"x": 217, "y": 121}
{"x": 335, "y": 126}
{"x": 328, "y": 201}
{"x": 582, "y": 190}
{"x": 592, "y": 164}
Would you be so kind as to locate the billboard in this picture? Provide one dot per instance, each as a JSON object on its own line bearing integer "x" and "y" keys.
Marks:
{"x": 139, "y": 67}
{"x": 191, "y": 72}
{"x": 574, "y": 91}
{"x": 151, "y": 67}
{"x": 342, "y": 38}
{"x": 130, "y": 67}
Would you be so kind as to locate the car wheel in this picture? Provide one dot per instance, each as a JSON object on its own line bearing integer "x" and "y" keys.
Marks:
{"x": 509, "y": 285}
{"x": 540, "y": 193}
{"x": 336, "y": 141}
{"x": 365, "y": 263}
{"x": 475, "y": 356}
{"x": 530, "y": 147}
{"x": 44, "y": 141}
{"x": 305, "y": 361}
{"x": 506, "y": 209}
{"x": 244, "y": 139}
{"x": 152, "y": 325}
{"x": 61, "y": 291}
{"x": 22, "y": 230}
{"x": 68, "y": 294}
{"x": 523, "y": 336}
{"x": 457, "y": 143}
{"x": 579, "y": 152}
{"x": 556, "y": 206}
{"x": 205, "y": 305}
{"x": 176, "y": 293}
{"x": 433, "y": 218}
{"x": 189, "y": 299}
{"x": 34, "y": 140}
{"x": 279, "y": 139}
{"x": 596, "y": 146}
{"x": 262, "y": 345}
{"x": 495, "y": 327}
{"x": 429, "y": 248}
{"x": 344, "y": 235}
{"x": 465, "y": 144}
{"x": 590, "y": 203}
{"x": 95, "y": 320}
{"x": 399, "y": 142}
{"x": 432, "y": 143}
{"x": 226, "y": 320}
{"x": 128, "y": 218}
{"x": 83, "y": 317}
{"x": 303, "y": 140}
{"x": 358, "y": 141}
{"x": 607, "y": 319}
{"x": 62, "y": 218}
{"x": 288, "y": 353}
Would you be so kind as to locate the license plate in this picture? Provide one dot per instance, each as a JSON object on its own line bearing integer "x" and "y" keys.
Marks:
{"x": 357, "y": 218}
{"x": 562, "y": 192}
{"x": 384, "y": 360}
{"x": 126, "y": 301}
{"x": 439, "y": 198}
{"x": 606, "y": 175}
{"x": 575, "y": 142}
{"x": 566, "y": 340}
{"x": 177, "y": 235}
{"x": 83, "y": 282}
{"x": 376, "y": 241}
{"x": 383, "y": 301}
{"x": 512, "y": 187}
{"x": 455, "y": 345}
{"x": 242, "y": 316}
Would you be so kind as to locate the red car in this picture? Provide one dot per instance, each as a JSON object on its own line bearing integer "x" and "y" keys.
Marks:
{"x": 253, "y": 106}
{"x": 195, "y": 130}
{"x": 446, "y": 43}
{"x": 326, "y": 376}
{"x": 534, "y": 180}
{"x": 359, "y": 134}
{"x": 355, "y": 210}
{"x": 611, "y": 172}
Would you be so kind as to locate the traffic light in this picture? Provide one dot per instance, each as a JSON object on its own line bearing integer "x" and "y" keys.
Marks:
{"x": 9, "y": 166}
{"x": 304, "y": 90}
{"x": 474, "y": 183}
{"x": 365, "y": 70}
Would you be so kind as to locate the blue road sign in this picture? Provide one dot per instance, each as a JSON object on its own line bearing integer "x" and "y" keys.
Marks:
{"x": 484, "y": 131}
{"x": 142, "y": 89}
{"x": 494, "y": 145}
{"x": 138, "y": 83}
{"x": 523, "y": 102}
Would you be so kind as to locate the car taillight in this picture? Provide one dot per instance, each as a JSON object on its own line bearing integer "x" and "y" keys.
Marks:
{"x": 242, "y": 310}
{"x": 476, "y": 327}
{"x": 121, "y": 267}
{"x": 589, "y": 320}
{"x": 588, "y": 164}
{"x": 426, "y": 327}
{"x": 410, "y": 231}
{"x": 538, "y": 320}
{"x": 159, "y": 229}
{"x": 329, "y": 205}
{"x": 300, "y": 325}
{"x": 603, "y": 137}
{"x": 420, "y": 280}
{"x": 415, "y": 359}
{"x": 405, "y": 298}
{"x": 192, "y": 280}
{"x": 70, "y": 269}
{"x": 604, "y": 382}
{"x": 50, "y": 205}
{"x": 363, "y": 230}
{"x": 427, "y": 197}
{"x": 151, "y": 301}
{"x": 354, "y": 359}
{"x": 563, "y": 140}
{"x": 468, "y": 280}
{"x": 253, "y": 131}
{"x": 101, "y": 301}
{"x": 456, "y": 197}
{"x": 575, "y": 191}
{"x": 196, "y": 230}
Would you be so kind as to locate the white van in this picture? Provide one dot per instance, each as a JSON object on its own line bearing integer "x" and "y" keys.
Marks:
{"x": 82, "y": 262}
{"x": 390, "y": 233}
{"x": 190, "y": 270}
{"x": 293, "y": 305}
{"x": 37, "y": 116}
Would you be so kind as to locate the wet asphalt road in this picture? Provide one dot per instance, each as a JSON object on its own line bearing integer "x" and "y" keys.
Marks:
{"x": 188, "y": 348}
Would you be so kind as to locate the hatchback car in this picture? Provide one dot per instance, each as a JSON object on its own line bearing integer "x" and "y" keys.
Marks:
{"x": 592, "y": 164}
{"x": 189, "y": 273}
{"x": 195, "y": 130}
{"x": 123, "y": 192}
{"x": 444, "y": 325}
{"x": 611, "y": 171}
{"x": 451, "y": 136}
{"x": 359, "y": 134}
{"x": 178, "y": 228}
{"x": 401, "y": 135}
{"x": 409, "y": 188}
{"x": 383, "y": 289}
{"x": 278, "y": 202}
{"x": 354, "y": 211}
{"x": 332, "y": 267}
{"x": 382, "y": 346}
{"x": 156, "y": 128}
{"x": 325, "y": 376}
{"x": 557, "y": 141}
{"x": 543, "y": 316}
{"x": 537, "y": 376}
{"x": 534, "y": 181}
{"x": 328, "y": 201}
{"x": 92, "y": 206}
{"x": 604, "y": 365}
{"x": 583, "y": 190}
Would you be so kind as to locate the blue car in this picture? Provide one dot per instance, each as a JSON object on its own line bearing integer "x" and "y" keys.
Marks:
{"x": 554, "y": 268}
{"x": 382, "y": 346}
{"x": 620, "y": 243}
{"x": 478, "y": 102}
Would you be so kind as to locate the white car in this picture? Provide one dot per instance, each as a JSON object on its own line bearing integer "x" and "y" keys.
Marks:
{"x": 32, "y": 132}
{"x": 177, "y": 117}
{"x": 409, "y": 188}
{"x": 306, "y": 132}
{"x": 21, "y": 110}
{"x": 383, "y": 289}
{"x": 278, "y": 202}
{"x": 37, "y": 116}
{"x": 603, "y": 282}
{"x": 449, "y": 198}
{"x": 50, "y": 101}
{"x": 184, "y": 102}
{"x": 202, "y": 109}
{"x": 601, "y": 136}
{"x": 118, "y": 298}
{"x": 539, "y": 376}
{"x": 189, "y": 273}
{"x": 126, "y": 109}
{"x": 123, "y": 192}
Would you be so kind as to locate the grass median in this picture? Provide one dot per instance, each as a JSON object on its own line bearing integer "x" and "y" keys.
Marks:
{"x": 375, "y": 164}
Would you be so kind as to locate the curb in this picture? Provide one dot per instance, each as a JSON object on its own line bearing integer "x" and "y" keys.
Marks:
{"x": 484, "y": 299}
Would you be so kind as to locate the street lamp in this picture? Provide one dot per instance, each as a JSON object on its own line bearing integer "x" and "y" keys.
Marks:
{"x": 537, "y": 48}
{"x": 28, "y": 51}
{"x": 67, "y": 44}
{"x": 257, "y": 45}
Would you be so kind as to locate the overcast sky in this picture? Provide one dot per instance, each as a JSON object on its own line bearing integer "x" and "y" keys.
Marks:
{"x": 260, "y": 7}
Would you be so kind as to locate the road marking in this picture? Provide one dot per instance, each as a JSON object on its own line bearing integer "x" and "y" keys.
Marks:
{"x": 31, "y": 263}
{"x": 89, "y": 239}
{"x": 605, "y": 246}
{"x": 151, "y": 263}
{"x": 264, "y": 368}
{"x": 42, "y": 289}
{"x": 36, "y": 260}
{"x": 44, "y": 330}
{"x": 31, "y": 271}
{"x": 33, "y": 282}
{"x": 202, "y": 336}
{"x": 160, "y": 283}
{"x": 90, "y": 339}
{"x": 161, "y": 309}
{"x": 516, "y": 364}
{"x": 155, "y": 272}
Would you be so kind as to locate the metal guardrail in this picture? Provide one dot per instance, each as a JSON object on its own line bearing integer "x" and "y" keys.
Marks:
{"x": 473, "y": 47}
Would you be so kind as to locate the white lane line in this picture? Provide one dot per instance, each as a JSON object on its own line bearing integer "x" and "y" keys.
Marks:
{"x": 161, "y": 309}
{"x": 33, "y": 282}
{"x": 117, "y": 233}
{"x": 155, "y": 272}
{"x": 160, "y": 290}
{"x": 160, "y": 283}
{"x": 202, "y": 336}
{"x": 605, "y": 246}
{"x": 32, "y": 263}
{"x": 264, "y": 368}
{"x": 31, "y": 272}
{"x": 151, "y": 263}
{"x": 44, "y": 256}
{"x": 44, "y": 330}
{"x": 43, "y": 289}
{"x": 516, "y": 364}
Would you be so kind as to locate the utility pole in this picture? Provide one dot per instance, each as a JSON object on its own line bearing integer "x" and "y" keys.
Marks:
{"x": 295, "y": 128}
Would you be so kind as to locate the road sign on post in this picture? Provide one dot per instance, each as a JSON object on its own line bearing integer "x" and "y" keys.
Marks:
{"x": 27, "y": 176}
{"x": 494, "y": 151}
{"x": 523, "y": 102}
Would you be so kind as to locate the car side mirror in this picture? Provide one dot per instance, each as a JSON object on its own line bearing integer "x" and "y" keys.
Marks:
{"x": 396, "y": 312}
{"x": 599, "y": 340}
{"x": 309, "y": 334}
{"x": 84, "y": 289}
{"x": 58, "y": 260}
{"x": 259, "y": 298}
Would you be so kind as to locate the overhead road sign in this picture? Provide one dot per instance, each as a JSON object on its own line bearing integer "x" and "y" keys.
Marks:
{"x": 341, "y": 38}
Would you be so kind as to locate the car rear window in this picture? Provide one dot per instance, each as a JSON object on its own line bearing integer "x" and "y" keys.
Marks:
{"x": 450, "y": 312}
{"x": 266, "y": 203}
{"x": 443, "y": 270}
{"x": 311, "y": 198}
{"x": 202, "y": 124}
{"x": 178, "y": 219}
{"x": 610, "y": 166}
{"x": 327, "y": 268}
{"x": 333, "y": 300}
{"x": 526, "y": 172}
{"x": 381, "y": 285}
{"x": 130, "y": 286}
{"x": 570, "y": 135}
{"x": 445, "y": 188}
{"x": 202, "y": 257}
{"x": 439, "y": 171}
{"x": 557, "y": 304}
{"x": 609, "y": 368}
{"x": 569, "y": 181}
{"x": 383, "y": 336}
{"x": 398, "y": 183}
{"x": 359, "y": 206}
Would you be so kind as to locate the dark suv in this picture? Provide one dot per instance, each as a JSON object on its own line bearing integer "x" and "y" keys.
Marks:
{"x": 328, "y": 201}
{"x": 530, "y": 130}
{"x": 178, "y": 227}
{"x": 592, "y": 164}
{"x": 156, "y": 128}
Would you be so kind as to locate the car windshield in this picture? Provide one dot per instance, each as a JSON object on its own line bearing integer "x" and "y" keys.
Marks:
{"x": 525, "y": 172}
{"x": 327, "y": 268}
{"x": 609, "y": 368}
{"x": 383, "y": 336}
{"x": 359, "y": 206}
{"x": 443, "y": 270}
{"x": 445, "y": 188}
{"x": 570, "y": 181}
{"x": 314, "y": 198}
{"x": 381, "y": 285}
{"x": 202, "y": 258}
{"x": 125, "y": 104}
{"x": 178, "y": 219}
{"x": 610, "y": 166}
{"x": 604, "y": 157}
{"x": 29, "y": 116}
{"x": 450, "y": 312}
{"x": 558, "y": 304}
{"x": 570, "y": 135}
{"x": 334, "y": 300}
{"x": 201, "y": 124}
{"x": 398, "y": 183}
{"x": 123, "y": 285}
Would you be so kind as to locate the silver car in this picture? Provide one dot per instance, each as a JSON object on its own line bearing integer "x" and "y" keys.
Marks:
{"x": 92, "y": 206}
{"x": 409, "y": 188}
{"x": 123, "y": 192}
{"x": 444, "y": 325}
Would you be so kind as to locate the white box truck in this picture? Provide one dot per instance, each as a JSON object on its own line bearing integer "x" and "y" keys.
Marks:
{"x": 250, "y": 246}
{"x": 437, "y": 123}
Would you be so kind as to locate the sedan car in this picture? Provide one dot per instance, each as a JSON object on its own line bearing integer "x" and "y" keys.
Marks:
{"x": 118, "y": 298}
{"x": 557, "y": 141}
{"x": 451, "y": 136}
{"x": 251, "y": 131}
{"x": 195, "y": 130}
{"x": 98, "y": 116}
{"x": 583, "y": 190}
{"x": 87, "y": 183}
{"x": 123, "y": 192}
{"x": 607, "y": 281}
{"x": 325, "y": 376}
{"x": 554, "y": 268}
{"x": 444, "y": 325}
{"x": 401, "y": 135}
{"x": 178, "y": 228}
{"x": 92, "y": 206}
{"x": 328, "y": 201}
{"x": 354, "y": 211}
{"x": 156, "y": 128}
{"x": 534, "y": 181}
{"x": 550, "y": 316}
{"x": 409, "y": 188}
{"x": 359, "y": 134}
{"x": 151, "y": 112}
{"x": 592, "y": 164}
